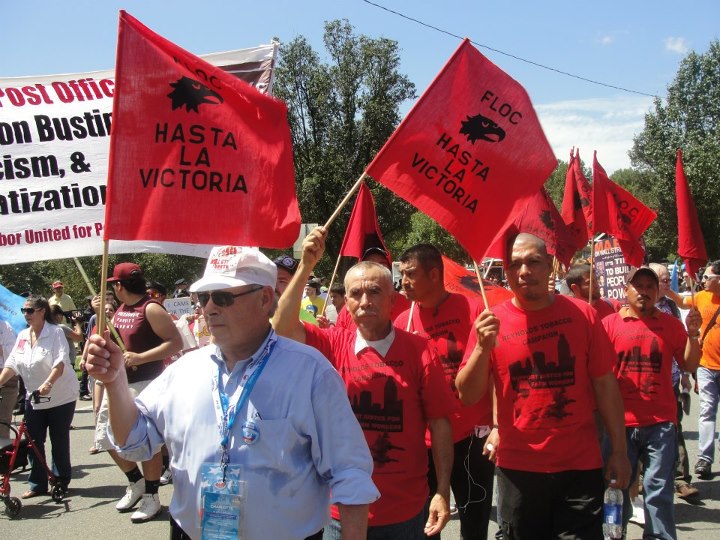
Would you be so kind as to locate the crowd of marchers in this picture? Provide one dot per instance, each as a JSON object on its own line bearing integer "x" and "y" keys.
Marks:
{"x": 281, "y": 409}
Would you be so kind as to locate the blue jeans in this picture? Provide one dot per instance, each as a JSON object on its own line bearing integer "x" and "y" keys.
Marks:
{"x": 412, "y": 529}
{"x": 656, "y": 446}
{"x": 56, "y": 420}
{"x": 709, "y": 386}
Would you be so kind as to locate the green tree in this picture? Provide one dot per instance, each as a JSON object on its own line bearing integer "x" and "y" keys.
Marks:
{"x": 341, "y": 112}
{"x": 688, "y": 118}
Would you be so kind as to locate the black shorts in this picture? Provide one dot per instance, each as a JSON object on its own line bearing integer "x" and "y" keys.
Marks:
{"x": 538, "y": 506}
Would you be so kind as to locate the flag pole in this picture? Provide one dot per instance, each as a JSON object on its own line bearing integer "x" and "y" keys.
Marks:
{"x": 103, "y": 285}
{"x": 337, "y": 211}
{"x": 109, "y": 324}
{"x": 412, "y": 309}
{"x": 482, "y": 287}
{"x": 332, "y": 280}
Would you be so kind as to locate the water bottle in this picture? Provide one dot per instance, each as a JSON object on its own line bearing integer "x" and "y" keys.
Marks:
{"x": 612, "y": 514}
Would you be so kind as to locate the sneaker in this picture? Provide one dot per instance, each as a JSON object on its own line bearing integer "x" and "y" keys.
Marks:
{"x": 687, "y": 492}
{"x": 149, "y": 508}
{"x": 133, "y": 494}
{"x": 703, "y": 469}
{"x": 638, "y": 508}
{"x": 166, "y": 477}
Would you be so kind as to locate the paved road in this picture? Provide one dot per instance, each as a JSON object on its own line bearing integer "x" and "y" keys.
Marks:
{"x": 89, "y": 511}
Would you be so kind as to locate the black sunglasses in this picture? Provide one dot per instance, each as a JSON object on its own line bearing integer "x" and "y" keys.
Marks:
{"x": 27, "y": 310}
{"x": 222, "y": 298}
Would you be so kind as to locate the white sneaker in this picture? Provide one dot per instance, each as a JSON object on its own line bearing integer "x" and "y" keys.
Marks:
{"x": 149, "y": 508}
{"x": 133, "y": 494}
{"x": 638, "y": 507}
{"x": 166, "y": 477}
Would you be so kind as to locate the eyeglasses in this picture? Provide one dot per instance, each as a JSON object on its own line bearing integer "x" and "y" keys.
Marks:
{"x": 27, "y": 310}
{"x": 708, "y": 277}
{"x": 222, "y": 298}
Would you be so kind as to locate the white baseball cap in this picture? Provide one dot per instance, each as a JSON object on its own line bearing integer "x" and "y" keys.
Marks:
{"x": 235, "y": 266}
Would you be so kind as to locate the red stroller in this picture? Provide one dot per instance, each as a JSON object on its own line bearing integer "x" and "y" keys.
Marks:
{"x": 14, "y": 455}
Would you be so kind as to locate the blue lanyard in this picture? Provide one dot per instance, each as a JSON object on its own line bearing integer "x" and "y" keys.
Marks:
{"x": 229, "y": 414}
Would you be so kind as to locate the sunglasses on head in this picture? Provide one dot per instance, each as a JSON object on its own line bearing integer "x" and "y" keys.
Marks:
{"x": 222, "y": 298}
{"x": 27, "y": 310}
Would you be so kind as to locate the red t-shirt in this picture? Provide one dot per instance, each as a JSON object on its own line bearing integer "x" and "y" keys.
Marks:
{"x": 344, "y": 319}
{"x": 645, "y": 350}
{"x": 542, "y": 366}
{"x": 606, "y": 307}
{"x": 448, "y": 327}
{"x": 393, "y": 398}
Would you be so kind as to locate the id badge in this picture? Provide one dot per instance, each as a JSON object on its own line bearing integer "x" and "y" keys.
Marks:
{"x": 222, "y": 504}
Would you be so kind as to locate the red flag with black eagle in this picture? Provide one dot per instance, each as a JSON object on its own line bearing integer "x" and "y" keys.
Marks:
{"x": 541, "y": 218}
{"x": 618, "y": 213}
{"x": 196, "y": 155}
{"x": 470, "y": 153}
{"x": 691, "y": 245}
{"x": 363, "y": 231}
{"x": 459, "y": 279}
{"x": 576, "y": 206}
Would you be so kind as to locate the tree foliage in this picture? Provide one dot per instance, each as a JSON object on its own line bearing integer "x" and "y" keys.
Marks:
{"x": 341, "y": 111}
{"x": 688, "y": 118}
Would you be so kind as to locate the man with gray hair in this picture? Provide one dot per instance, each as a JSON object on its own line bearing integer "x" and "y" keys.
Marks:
{"x": 259, "y": 428}
{"x": 396, "y": 386}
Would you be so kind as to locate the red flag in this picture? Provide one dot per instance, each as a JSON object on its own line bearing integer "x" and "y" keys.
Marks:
{"x": 691, "y": 246}
{"x": 363, "y": 231}
{"x": 459, "y": 279}
{"x": 541, "y": 218}
{"x": 470, "y": 153}
{"x": 196, "y": 155}
{"x": 576, "y": 208}
{"x": 617, "y": 212}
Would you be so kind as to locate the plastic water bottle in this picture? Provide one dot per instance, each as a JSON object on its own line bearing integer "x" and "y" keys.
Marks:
{"x": 612, "y": 514}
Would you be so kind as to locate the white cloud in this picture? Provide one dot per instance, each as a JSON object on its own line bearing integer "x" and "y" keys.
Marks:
{"x": 677, "y": 45}
{"x": 606, "y": 39}
{"x": 607, "y": 125}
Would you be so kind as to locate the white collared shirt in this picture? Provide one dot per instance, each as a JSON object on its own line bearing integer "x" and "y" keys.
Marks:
{"x": 382, "y": 346}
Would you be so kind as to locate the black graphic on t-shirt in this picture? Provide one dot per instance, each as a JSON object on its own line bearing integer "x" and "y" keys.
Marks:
{"x": 539, "y": 372}
{"x": 386, "y": 416}
{"x": 635, "y": 362}
{"x": 380, "y": 450}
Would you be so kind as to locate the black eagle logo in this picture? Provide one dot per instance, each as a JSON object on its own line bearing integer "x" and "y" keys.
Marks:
{"x": 192, "y": 94}
{"x": 482, "y": 128}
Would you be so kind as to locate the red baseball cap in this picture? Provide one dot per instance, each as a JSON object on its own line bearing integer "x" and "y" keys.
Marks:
{"x": 57, "y": 284}
{"x": 125, "y": 271}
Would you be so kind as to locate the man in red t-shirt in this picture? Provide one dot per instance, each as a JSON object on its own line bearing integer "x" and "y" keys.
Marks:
{"x": 551, "y": 363}
{"x": 447, "y": 319}
{"x": 400, "y": 303}
{"x": 395, "y": 384}
{"x": 646, "y": 340}
{"x": 578, "y": 281}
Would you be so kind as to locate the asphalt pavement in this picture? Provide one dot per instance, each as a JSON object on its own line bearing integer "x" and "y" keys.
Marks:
{"x": 89, "y": 512}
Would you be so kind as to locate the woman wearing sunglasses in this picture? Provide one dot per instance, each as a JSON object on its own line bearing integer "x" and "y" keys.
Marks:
{"x": 41, "y": 358}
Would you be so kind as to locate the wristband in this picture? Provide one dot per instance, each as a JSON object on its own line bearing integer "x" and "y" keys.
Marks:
{"x": 694, "y": 336}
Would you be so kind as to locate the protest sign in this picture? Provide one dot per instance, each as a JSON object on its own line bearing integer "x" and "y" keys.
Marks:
{"x": 610, "y": 268}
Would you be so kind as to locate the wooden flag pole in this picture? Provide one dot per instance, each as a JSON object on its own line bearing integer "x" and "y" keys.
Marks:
{"x": 482, "y": 287}
{"x": 332, "y": 280}
{"x": 353, "y": 189}
{"x": 412, "y": 310}
{"x": 109, "y": 324}
{"x": 103, "y": 284}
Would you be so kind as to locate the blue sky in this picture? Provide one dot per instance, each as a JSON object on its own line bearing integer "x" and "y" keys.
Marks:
{"x": 633, "y": 44}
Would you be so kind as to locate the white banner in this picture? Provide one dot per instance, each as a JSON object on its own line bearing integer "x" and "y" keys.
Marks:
{"x": 54, "y": 140}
